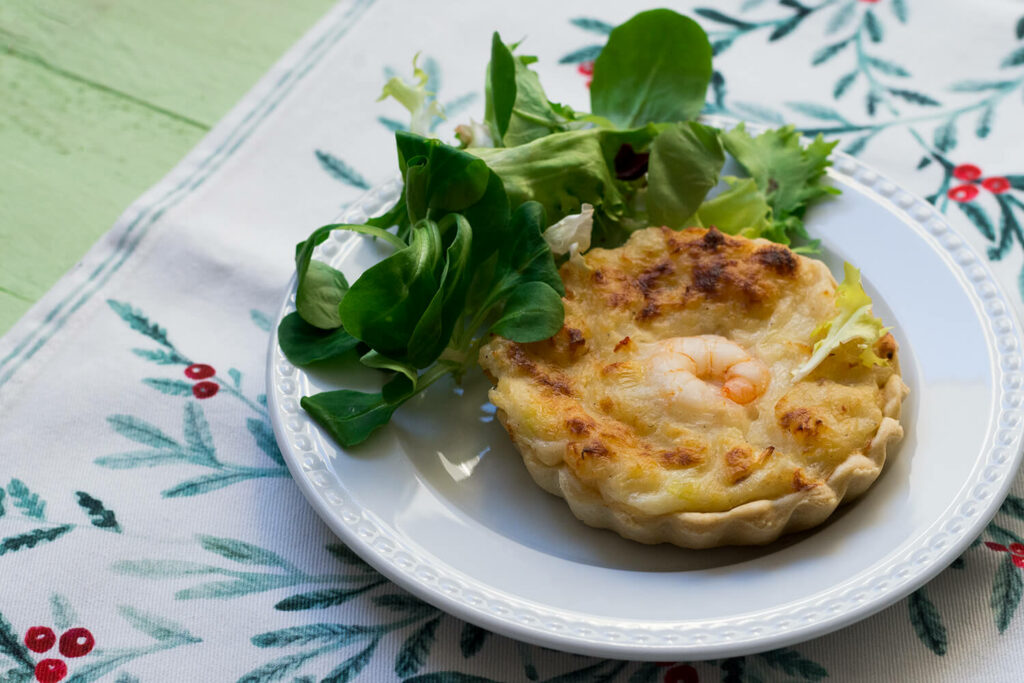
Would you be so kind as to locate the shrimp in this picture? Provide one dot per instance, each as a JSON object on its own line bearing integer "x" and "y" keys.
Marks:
{"x": 690, "y": 368}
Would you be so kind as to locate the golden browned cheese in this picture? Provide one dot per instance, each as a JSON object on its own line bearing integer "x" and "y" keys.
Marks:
{"x": 595, "y": 423}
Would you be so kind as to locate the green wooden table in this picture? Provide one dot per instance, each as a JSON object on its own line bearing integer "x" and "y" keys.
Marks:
{"x": 99, "y": 99}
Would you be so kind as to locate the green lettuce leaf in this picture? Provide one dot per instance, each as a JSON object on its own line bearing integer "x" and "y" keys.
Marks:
{"x": 684, "y": 165}
{"x": 740, "y": 210}
{"x": 416, "y": 98}
{"x": 790, "y": 175}
{"x": 853, "y": 324}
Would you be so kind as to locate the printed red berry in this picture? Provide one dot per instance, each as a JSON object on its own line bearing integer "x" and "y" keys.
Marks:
{"x": 40, "y": 638}
{"x": 1016, "y": 551}
{"x": 51, "y": 671}
{"x": 76, "y": 642}
{"x": 962, "y": 193}
{"x": 199, "y": 371}
{"x": 586, "y": 68}
{"x": 996, "y": 185}
{"x": 205, "y": 389}
{"x": 684, "y": 673}
{"x": 967, "y": 172}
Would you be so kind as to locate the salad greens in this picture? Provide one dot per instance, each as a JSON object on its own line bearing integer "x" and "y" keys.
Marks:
{"x": 477, "y": 230}
{"x": 854, "y": 324}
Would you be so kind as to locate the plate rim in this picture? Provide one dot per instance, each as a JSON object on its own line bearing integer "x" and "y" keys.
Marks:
{"x": 921, "y": 560}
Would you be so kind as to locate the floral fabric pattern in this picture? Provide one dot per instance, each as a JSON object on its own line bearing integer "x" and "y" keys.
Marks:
{"x": 149, "y": 528}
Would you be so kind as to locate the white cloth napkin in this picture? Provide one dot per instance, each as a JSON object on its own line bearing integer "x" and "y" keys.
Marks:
{"x": 144, "y": 502}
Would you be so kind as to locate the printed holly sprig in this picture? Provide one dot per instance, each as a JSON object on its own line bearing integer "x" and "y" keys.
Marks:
{"x": 205, "y": 381}
{"x": 33, "y": 511}
{"x": 1007, "y": 588}
{"x": 197, "y": 445}
{"x": 195, "y": 448}
{"x": 76, "y": 643}
{"x": 403, "y": 616}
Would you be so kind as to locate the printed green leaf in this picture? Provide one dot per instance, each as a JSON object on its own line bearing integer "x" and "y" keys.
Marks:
{"x": 350, "y": 668}
{"x": 339, "y": 170}
{"x": 927, "y": 622}
{"x": 2, "y": 494}
{"x": 673, "y": 55}
{"x": 979, "y": 217}
{"x": 12, "y": 646}
{"x": 198, "y": 438}
{"x": 899, "y": 8}
{"x": 828, "y": 52}
{"x": 602, "y": 672}
{"x": 29, "y": 503}
{"x": 843, "y": 84}
{"x": 140, "y": 323}
{"x": 159, "y": 569}
{"x": 715, "y": 15}
{"x": 319, "y": 599}
{"x": 242, "y": 552}
{"x": 684, "y": 165}
{"x": 1015, "y": 58}
{"x": 973, "y": 85}
{"x": 161, "y": 357}
{"x": 759, "y": 112}
{"x": 303, "y": 343}
{"x": 17, "y": 676}
{"x": 265, "y": 439}
{"x": 914, "y": 97}
{"x": 142, "y": 432}
{"x": 984, "y": 124}
{"x": 733, "y": 669}
{"x": 472, "y": 639}
{"x": 154, "y": 626}
{"x": 449, "y": 677}
{"x": 1007, "y": 588}
{"x": 584, "y": 54}
{"x": 592, "y": 25}
{"x": 873, "y": 26}
{"x": 246, "y": 584}
{"x": 32, "y": 538}
{"x": 817, "y": 111}
{"x": 787, "y": 27}
{"x": 888, "y": 67}
{"x": 1014, "y": 506}
{"x": 646, "y": 673}
{"x": 345, "y": 554}
{"x": 945, "y": 136}
{"x": 124, "y": 461}
{"x": 841, "y": 17}
{"x": 260, "y": 319}
{"x": 402, "y": 603}
{"x": 416, "y": 649}
{"x": 171, "y": 387}
{"x": 64, "y": 616}
{"x": 236, "y": 377}
{"x": 99, "y": 515}
{"x": 792, "y": 663}
{"x": 336, "y": 634}
{"x": 282, "y": 667}
{"x": 218, "y": 480}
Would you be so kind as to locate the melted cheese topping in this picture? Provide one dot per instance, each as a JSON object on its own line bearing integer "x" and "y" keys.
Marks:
{"x": 590, "y": 398}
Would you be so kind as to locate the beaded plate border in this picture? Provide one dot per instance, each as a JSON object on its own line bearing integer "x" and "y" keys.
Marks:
{"x": 307, "y": 452}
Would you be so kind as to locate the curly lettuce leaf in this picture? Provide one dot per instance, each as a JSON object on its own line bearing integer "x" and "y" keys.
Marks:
{"x": 790, "y": 175}
{"x": 853, "y": 324}
{"x": 416, "y": 98}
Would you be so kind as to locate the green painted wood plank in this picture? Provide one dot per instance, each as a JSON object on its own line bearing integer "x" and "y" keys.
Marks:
{"x": 100, "y": 99}
{"x": 192, "y": 57}
{"x": 74, "y": 158}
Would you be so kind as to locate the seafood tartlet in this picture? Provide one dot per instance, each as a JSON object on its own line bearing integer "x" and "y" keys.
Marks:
{"x": 668, "y": 408}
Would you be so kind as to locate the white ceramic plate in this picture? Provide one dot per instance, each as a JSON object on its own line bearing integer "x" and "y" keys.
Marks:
{"x": 440, "y": 502}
